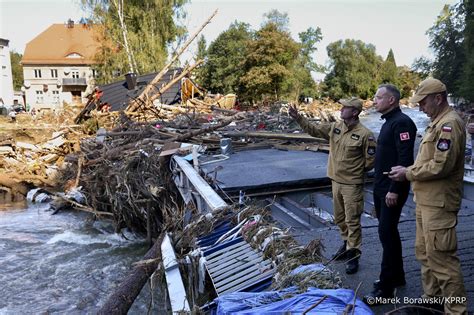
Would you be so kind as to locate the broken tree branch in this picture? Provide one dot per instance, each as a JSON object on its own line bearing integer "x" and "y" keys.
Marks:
{"x": 135, "y": 103}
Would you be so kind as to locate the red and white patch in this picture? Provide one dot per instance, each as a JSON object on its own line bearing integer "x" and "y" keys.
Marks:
{"x": 447, "y": 129}
{"x": 404, "y": 136}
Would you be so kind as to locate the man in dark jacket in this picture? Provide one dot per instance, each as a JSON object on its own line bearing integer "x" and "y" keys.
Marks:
{"x": 394, "y": 147}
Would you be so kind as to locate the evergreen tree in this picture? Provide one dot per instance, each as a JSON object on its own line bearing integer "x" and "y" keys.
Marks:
{"x": 389, "y": 71}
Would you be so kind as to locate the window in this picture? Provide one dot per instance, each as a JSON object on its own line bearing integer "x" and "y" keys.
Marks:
{"x": 37, "y": 73}
{"x": 54, "y": 73}
{"x": 75, "y": 74}
{"x": 94, "y": 73}
{"x": 55, "y": 97}
{"x": 74, "y": 56}
{"x": 39, "y": 97}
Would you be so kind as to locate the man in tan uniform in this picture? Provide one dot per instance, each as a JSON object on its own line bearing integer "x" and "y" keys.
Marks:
{"x": 437, "y": 177}
{"x": 351, "y": 154}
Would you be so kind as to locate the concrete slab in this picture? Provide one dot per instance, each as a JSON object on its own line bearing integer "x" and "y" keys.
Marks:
{"x": 262, "y": 169}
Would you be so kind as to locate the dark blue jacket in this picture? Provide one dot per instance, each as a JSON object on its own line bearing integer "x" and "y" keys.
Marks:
{"x": 394, "y": 147}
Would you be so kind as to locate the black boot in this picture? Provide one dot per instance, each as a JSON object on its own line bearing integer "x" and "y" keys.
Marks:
{"x": 352, "y": 265}
{"x": 398, "y": 282}
{"x": 341, "y": 252}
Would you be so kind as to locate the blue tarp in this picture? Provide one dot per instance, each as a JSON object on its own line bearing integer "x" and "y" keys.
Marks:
{"x": 273, "y": 302}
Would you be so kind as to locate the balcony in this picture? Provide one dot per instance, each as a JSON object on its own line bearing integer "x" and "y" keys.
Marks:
{"x": 74, "y": 82}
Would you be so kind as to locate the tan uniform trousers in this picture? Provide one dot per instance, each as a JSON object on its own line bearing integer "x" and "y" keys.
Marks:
{"x": 348, "y": 203}
{"x": 435, "y": 248}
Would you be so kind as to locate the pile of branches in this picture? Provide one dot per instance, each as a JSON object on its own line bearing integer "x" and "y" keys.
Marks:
{"x": 122, "y": 172}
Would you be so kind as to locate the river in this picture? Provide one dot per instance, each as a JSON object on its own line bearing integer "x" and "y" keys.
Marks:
{"x": 67, "y": 263}
{"x": 64, "y": 263}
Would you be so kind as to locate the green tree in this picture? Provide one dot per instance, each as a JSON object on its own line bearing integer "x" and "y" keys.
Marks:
{"x": 17, "y": 70}
{"x": 201, "y": 54}
{"x": 225, "y": 58}
{"x": 354, "y": 69}
{"x": 446, "y": 40}
{"x": 466, "y": 85}
{"x": 302, "y": 84}
{"x": 280, "y": 19}
{"x": 407, "y": 81}
{"x": 135, "y": 34}
{"x": 423, "y": 66}
{"x": 270, "y": 57}
{"x": 389, "y": 71}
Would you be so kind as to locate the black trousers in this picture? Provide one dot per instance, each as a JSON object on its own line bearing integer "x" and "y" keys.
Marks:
{"x": 391, "y": 271}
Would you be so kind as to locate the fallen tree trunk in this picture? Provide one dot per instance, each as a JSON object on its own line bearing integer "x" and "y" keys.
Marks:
{"x": 125, "y": 294}
{"x": 274, "y": 135}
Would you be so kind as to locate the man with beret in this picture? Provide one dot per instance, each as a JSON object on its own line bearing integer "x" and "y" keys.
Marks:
{"x": 437, "y": 177}
{"x": 351, "y": 154}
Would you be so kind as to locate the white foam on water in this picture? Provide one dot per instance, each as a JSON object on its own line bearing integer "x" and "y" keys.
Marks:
{"x": 83, "y": 239}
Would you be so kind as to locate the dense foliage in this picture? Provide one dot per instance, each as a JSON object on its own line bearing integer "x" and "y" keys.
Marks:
{"x": 354, "y": 69}
{"x": 452, "y": 41}
{"x": 135, "y": 35}
{"x": 17, "y": 70}
{"x": 225, "y": 58}
{"x": 267, "y": 64}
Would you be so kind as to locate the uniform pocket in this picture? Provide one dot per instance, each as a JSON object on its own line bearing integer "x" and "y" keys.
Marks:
{"x": 445, "y": 239}
{"x": 353, "y": 151}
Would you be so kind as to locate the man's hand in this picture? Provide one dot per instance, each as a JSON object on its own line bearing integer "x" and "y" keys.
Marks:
{"x": 391, "y": 199}
{"x": 398, "y": 173}
{"x": 293, "y": 111}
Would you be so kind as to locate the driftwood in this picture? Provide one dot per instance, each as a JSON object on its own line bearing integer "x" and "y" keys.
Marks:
{"x": 194, "y": 133}
{"x": 273, "y": 135}
{"x": 122, "y": 299}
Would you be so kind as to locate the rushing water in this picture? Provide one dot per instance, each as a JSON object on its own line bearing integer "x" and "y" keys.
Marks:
{"x": 64, "y": 263}
{"x": 374, "y": 122}
{"x": 67, "y": 263}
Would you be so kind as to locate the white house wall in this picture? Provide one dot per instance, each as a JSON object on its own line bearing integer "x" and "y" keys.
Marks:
{"x": 48, "y": 85}
{"x": 6, "y": 85}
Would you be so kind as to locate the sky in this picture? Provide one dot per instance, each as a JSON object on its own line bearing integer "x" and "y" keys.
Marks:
{"x": 397, "y": 24}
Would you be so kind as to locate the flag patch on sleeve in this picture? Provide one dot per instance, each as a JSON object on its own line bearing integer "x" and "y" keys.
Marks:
{"x": 447, "y": 129}
{"x": 404, "y": 136}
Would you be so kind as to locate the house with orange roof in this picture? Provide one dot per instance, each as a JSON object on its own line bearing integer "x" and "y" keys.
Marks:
{"x": 57, "y": 66}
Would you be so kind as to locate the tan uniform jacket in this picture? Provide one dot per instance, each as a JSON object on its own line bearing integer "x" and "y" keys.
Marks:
{"x": 438, "y": 171}
{"x": 351, "y": 153}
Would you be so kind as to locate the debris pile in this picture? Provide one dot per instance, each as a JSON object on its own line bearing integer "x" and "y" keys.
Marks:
{"x": 24, "y": 165}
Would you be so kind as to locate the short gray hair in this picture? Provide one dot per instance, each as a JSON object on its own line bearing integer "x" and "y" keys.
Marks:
{"x": 392, "y": 89}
